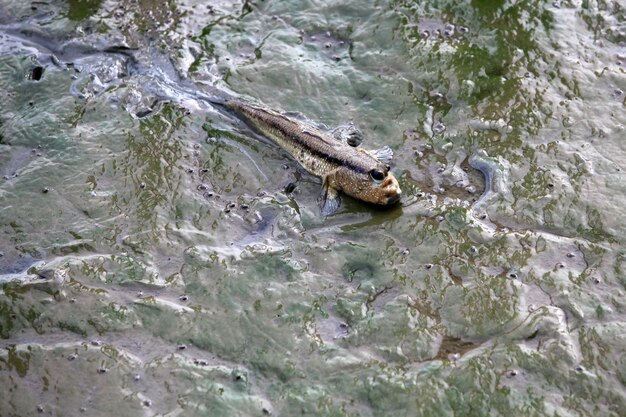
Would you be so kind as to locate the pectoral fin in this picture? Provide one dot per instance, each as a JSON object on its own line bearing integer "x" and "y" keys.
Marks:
{"x": 329, "y": 199}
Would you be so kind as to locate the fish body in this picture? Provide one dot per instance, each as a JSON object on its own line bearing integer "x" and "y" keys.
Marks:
{"x": 354, "y": 171}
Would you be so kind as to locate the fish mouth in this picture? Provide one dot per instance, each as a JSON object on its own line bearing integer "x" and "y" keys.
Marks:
{"x": 393, "y": 199}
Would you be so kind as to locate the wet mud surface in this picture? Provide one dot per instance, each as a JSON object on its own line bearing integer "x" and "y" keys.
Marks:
{"x": 158, "y": 257}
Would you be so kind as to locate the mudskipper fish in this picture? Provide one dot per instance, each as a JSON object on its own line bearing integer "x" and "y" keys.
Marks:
{"x": 342, "y": 166}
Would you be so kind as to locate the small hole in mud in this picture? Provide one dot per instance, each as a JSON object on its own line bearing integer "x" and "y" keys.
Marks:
{"x": 36, "y": 73}
{"x": 290, "y": 188}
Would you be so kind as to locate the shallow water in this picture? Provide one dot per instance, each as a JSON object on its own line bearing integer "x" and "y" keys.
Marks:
{"x": 153, "y": 263}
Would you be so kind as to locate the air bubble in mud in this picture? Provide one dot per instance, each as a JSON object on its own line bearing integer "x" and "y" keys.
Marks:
{"x": 439, "y": 128}
{"x": 568, "y": 121}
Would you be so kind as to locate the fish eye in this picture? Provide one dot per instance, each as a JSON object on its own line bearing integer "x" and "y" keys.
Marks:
{"x": 377, "y": 175}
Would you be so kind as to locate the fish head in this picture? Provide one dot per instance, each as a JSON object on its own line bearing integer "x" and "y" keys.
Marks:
{"x": 376, "y": 184}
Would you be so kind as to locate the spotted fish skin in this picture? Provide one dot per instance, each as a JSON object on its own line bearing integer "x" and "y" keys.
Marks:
{"x": 354, "y": 171}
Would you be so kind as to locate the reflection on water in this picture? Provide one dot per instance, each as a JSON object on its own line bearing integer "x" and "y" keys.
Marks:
{"x": 159, "y": 257}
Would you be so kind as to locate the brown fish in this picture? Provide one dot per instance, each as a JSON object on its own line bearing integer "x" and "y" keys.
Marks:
{"x": 343, "y": 167}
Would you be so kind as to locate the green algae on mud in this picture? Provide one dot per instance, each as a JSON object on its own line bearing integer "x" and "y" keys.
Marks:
{"x": 167, "y": 271}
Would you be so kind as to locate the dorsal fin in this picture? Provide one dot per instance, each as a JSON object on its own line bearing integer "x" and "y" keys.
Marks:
{"x": 302, "y": 118}
{"x": 310, "y": 129}
{"x": 348, "y": 133}
{"x": 384, "y": 154}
